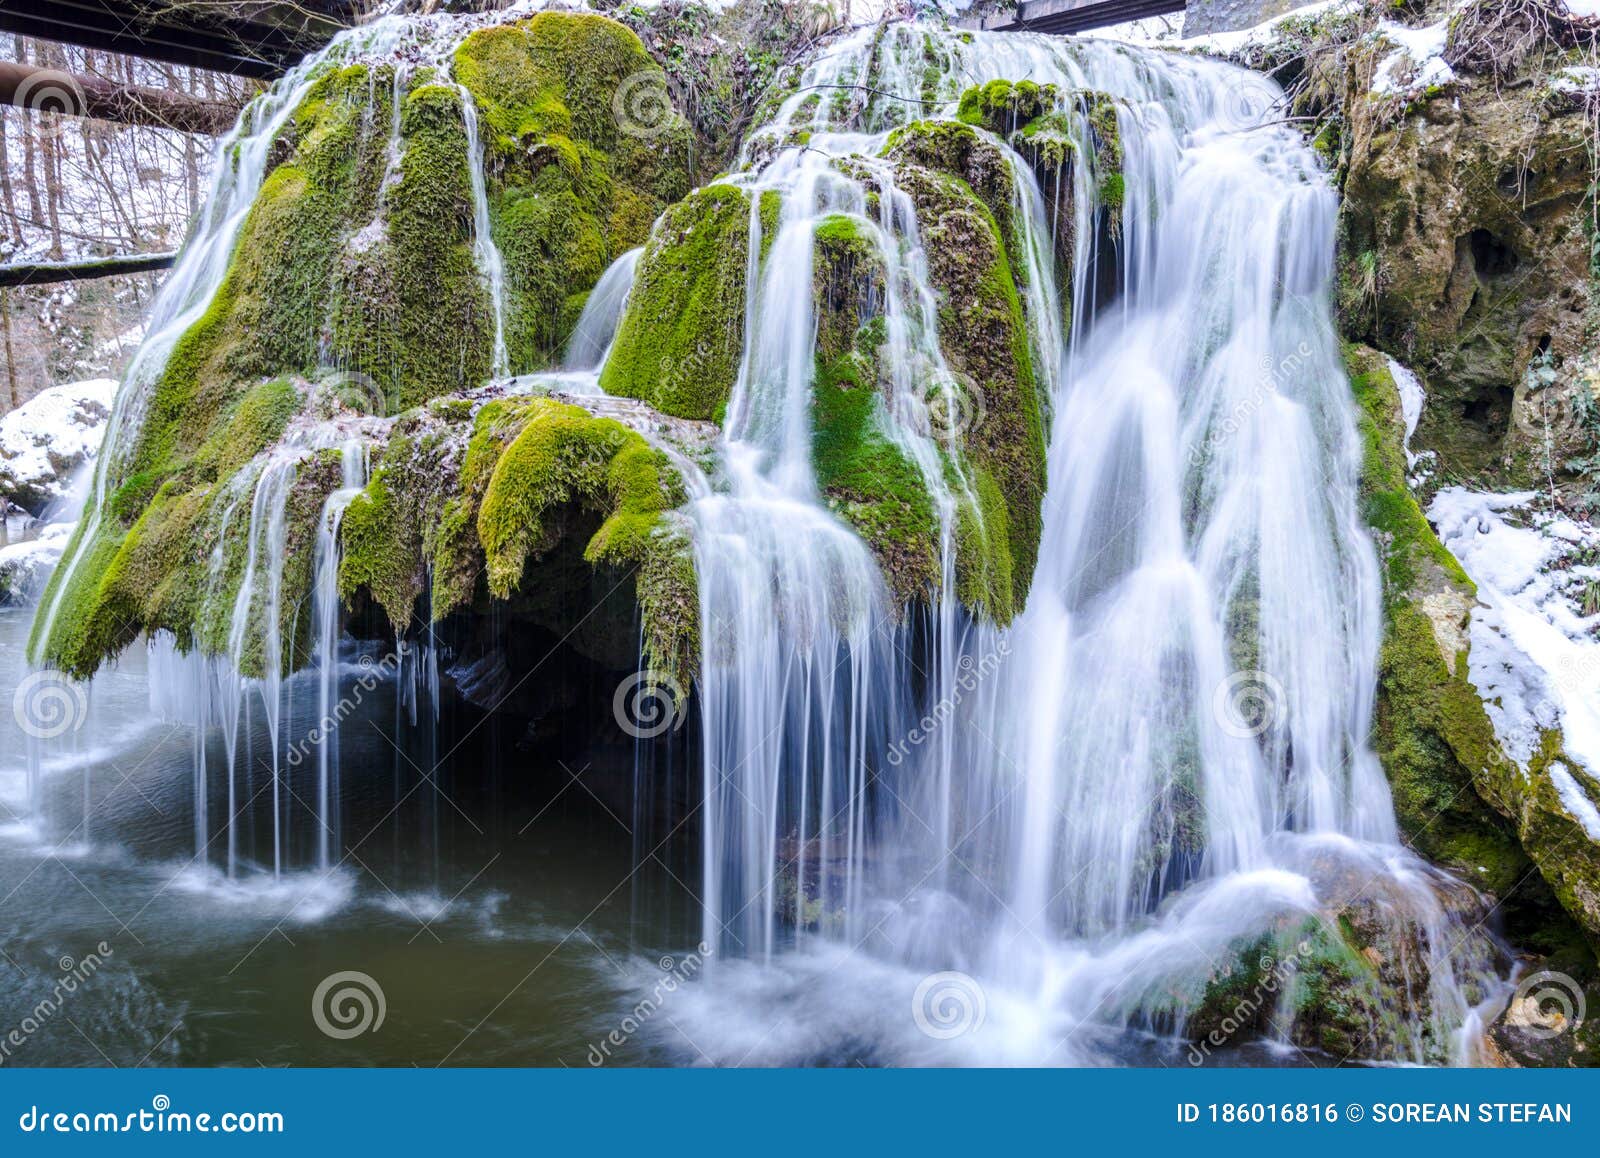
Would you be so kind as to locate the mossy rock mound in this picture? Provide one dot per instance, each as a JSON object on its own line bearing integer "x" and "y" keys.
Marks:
{"x": 488, "y": 503}
{"x": 983, "y": 331}
{"x": 585, "y": 151}
{"x": 359, "y": 253}
{"x": 867, "y": 477}
{"x": 1461, "y": 802}
{"x": 680, "y": 342}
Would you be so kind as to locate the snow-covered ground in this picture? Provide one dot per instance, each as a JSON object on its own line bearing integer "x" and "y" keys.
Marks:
{"x": 45, "y": 440}
{"x": 47, "y": 451}
{"x": 1535, "y": 657}
{"x": 25, "y": 566}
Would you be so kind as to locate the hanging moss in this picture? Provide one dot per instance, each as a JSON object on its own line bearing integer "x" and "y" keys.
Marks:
{"x": 586, "y": 150}
{"x": 563, "y": 454}
{"x": 1002, "y": 106}
{"x": 679, "y": 344}
{"x": 986, "y": 341}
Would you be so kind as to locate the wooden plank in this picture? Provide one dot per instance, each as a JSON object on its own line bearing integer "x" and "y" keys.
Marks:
{"x": 51, "y": 272}
{"x": 1067, "y": 16}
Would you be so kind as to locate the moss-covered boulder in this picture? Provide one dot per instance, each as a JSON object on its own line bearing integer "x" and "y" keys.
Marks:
{"x": 585, "y": 149}
{"x": 969, "y": 238}
{"x": 480, "y": 496}
{"x": 359, "y": 253}
{"x": 864, "y": 472}
{"x": 680, "y": 341}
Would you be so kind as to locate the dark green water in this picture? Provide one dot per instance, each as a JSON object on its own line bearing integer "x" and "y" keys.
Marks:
{"x": 498, "y": 907}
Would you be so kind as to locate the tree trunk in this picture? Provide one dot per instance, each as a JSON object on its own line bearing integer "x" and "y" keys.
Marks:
{"x": 49, "y": 272}
{"x": 52, "y": 91}
{"x": 11, "y": 359}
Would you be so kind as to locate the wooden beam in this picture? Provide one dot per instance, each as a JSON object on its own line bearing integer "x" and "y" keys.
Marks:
{"x": 259, "y": 39}
{"x": 50, "y": 272}
{"x": 1068, "y": 16}
{"x": 51, "y": 90}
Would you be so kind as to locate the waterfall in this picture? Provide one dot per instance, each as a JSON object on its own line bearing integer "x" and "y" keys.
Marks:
{"x": 597, "y": 326}
{"x": 326, "y": 611}
{"x": 490, "y": 262}
{"x": 1086, "y": 807}
{"x": 1165, "y": 757}
{"x": 241, "y": 161}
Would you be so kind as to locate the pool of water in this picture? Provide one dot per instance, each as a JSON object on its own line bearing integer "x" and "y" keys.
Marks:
{"x": 502, "y": 907}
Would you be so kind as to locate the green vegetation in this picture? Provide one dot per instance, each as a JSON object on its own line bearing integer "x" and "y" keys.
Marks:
{"x": 680, "y": 342}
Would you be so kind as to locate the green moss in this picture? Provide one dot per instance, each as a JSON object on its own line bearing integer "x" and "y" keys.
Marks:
{"x": 868, "y": 480}
{"x": 257, "y": 421}
{"x": 1457, "y": 798}
{"x": 1407, "y": 543}
{"x": 679, "y": 344}
{"x": 382, "y": 552}
{"x": 1001, "y": 105}
{"x": 986, "y": 341}
{"x": 587, "y": 150}
{"x": 411, "y": 310}
{"x": 563, "y": 455}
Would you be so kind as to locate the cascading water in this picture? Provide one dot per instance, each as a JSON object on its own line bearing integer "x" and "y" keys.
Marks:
{"x": 1165, "y": 758}
{"x": 1158, "y": 767}
{"x": 327, "y": 609}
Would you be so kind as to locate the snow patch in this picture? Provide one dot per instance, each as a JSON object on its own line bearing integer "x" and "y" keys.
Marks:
{"x": 1417, "y": 64}
{"x": 53, "y": 432}
{"x": 1575, "y": 800}
{"x": 25, "y": 566}
{"x": 1227, "y": 43}
{"x": 1534, "y": 658}
{"x": 1411, "y": 400}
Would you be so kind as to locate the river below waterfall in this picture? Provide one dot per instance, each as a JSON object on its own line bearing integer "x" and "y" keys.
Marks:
{"x": 507, "y": 925}
{"x": 502, "y": 919}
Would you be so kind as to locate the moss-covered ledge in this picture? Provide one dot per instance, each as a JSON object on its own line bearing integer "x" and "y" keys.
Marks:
{"x": 1437, "y": 745}
{"x": 984, "y": 334}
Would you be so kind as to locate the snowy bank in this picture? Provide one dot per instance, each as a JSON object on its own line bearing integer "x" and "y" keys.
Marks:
{"x": 48, "y": 437}
{"x": 24, "y": 567}
{"x": 1535, "y": 658}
